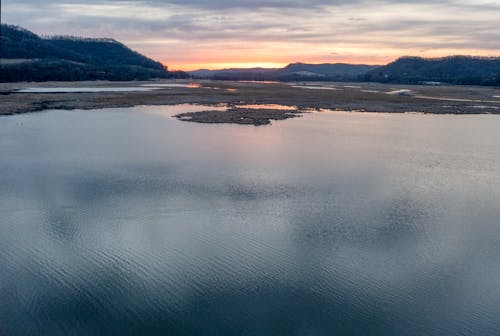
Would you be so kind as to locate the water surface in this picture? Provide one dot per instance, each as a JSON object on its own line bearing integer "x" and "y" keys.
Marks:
{"x": 311, "y": 87}
{"x": 267, "y": 107}
{"x": 83, "y": 89}
{"x": 131, "y": 222}
{"x": 174, "y": 85}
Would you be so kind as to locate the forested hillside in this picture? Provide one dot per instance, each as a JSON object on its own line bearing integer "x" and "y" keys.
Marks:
{"x": 26, "y": 56}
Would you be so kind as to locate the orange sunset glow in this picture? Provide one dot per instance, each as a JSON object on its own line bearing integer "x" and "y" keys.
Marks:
{"x": 247, "y": 60}
{"x": 192, "y": 34}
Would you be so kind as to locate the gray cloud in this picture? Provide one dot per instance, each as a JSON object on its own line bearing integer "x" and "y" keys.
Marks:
{"x": 176, "y": 29}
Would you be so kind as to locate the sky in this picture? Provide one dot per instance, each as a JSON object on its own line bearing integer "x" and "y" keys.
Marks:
{"x": 194, "y": 34}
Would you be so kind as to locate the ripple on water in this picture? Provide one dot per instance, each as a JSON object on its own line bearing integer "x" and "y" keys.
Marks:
{"x": 122, "y": 223}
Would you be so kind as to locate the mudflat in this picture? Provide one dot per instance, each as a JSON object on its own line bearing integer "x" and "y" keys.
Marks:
{"x": 301, "y": 97}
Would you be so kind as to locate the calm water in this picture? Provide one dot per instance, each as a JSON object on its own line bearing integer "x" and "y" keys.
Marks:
{"x": 130, "y": 222}
{"x": 83, "y": 89}
{"x": 311, "y": 87}
{"x": 173, "y": 85}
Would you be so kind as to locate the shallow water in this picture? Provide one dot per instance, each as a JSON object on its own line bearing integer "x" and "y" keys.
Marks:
{"x": 130, "y": 222}
{"x": 315, "y": 87}
{"x": 485, "y": 107}
{"x": 459, "y": 99}
{"x": 268, "y": 107}
{"x": 169, "y": 111}
{"x": 260, "y": 82}
{"x": 400, "y": 92}
{"x": 174, "y": 85}
{"x": 83, "y": 89}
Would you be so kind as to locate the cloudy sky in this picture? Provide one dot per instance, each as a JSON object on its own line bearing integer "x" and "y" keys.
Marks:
{"x": 191, "y": 34}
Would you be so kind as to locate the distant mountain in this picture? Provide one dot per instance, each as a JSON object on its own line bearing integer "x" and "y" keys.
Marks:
{"x": 25, "y": 56}
{"x": 464, "y": 70}
{"x": 292, "y": 72}
{"x": 461, "y": 70}
{"x": 236, "y": 74}
{"x": 326, "y": 71}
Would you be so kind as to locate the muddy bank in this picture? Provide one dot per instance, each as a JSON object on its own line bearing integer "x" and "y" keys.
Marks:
{"x": 243, "y": 116}
{"x": 369, "y": 97}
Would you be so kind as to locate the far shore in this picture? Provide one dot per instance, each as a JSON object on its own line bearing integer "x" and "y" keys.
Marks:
{"x": 362, "y": 97}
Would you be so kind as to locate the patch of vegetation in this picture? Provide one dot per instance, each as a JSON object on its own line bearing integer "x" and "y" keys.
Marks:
{"x": 461, "y": 70}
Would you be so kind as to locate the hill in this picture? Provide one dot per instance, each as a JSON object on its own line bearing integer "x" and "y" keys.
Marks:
{"x": 292, "y": 72}
{"x": 463, "y": 70}
{"x": 26, "y": 56}
{"x": 460, "y": 70}
{"x": 325, "y": 71}
{"x": 236, "y": 74}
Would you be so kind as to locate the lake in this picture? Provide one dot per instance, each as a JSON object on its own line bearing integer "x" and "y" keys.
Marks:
{"x": 131, "y": 222}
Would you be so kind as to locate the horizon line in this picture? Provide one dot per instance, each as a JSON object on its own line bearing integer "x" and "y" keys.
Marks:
{"x": 279, "y": 65}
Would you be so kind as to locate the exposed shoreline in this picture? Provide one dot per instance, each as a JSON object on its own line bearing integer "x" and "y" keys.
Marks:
{"x": 242, "y": 116}
{"x": 361, "y": 97}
